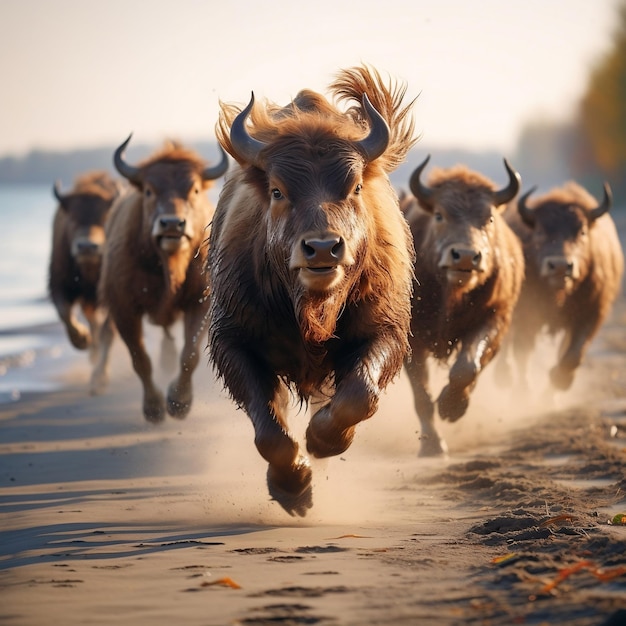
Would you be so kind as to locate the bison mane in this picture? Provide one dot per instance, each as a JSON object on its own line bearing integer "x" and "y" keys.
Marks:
{"x": 312, "y": 112}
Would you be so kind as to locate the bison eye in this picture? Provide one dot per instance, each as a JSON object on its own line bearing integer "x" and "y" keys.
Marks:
{"x": 147, "y": 192}
{"x": 438, "y": 216}
{"x": 357, "y": 189}
{"x": 277, "y": 194}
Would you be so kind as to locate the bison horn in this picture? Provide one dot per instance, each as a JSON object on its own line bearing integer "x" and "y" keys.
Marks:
{"x": 130, "y": 172}
{"x": 375, "y": 144}
{"x": 247, "y": 147}
{"x": 57, "y": 192}
{"x": 423, "y": 193}
{"x": 526, "y": 214}
{"x": 506, "y": 194}
{"x": 211, "y": 173}
{"x": 604, "y": 206}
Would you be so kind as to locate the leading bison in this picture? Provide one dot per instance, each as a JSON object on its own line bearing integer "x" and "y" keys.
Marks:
{"x": 574, "y": 269}
{"x": 154, "y": 266}
{"x": 76, "y": 258}
{"x": 469, "y": 270}
{"x": 310, "y": 263}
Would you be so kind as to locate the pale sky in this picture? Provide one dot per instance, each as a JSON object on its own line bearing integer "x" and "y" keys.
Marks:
{"x": 79, "y": 73}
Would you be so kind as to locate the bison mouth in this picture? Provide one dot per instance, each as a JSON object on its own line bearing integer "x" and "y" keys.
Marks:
{"x": 320, "y": 278}
{"x": 460, "y": 277}
{"x": 170, "y": 243}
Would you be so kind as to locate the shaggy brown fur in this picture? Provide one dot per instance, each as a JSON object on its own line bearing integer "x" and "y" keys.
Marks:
{"x": 76, "y": 257}
{"x": 154, "y": 266}
{"x": 469, "y": 269}
{"x": 334, "y": 330}
{"x": 574, "y": 270}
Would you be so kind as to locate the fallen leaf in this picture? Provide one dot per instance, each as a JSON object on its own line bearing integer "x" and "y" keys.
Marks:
{"x": 558, "y": 519}
{"x": 224, "y": 582}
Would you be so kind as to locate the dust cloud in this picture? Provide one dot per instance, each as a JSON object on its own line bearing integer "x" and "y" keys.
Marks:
{"x": 209, "y": 470}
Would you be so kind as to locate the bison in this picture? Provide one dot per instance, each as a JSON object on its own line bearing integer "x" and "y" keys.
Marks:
{"x": 76, "y": 258}
{"x": 574, "y": 269}
{"x": 154, "y": 266}
{"x": 311, "y": 265}
{"x": 469, "y": 270}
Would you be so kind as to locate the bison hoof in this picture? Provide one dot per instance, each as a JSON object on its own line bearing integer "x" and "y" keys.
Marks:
{"x": 292, "y": 489}
{"x": 154, "y": 408}
{"x": 98, "y": 383}
{"x": 561, "y": 378}
{"x": 432, "y": 446}
{"x": 178, "y": 402}
{"x": 452, "y": 405}
{"x": 325, "y": 442}
{"x": 80, "y": 339}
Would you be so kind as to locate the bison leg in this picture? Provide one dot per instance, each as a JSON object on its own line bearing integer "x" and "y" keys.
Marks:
{"x": 572, "y": 351}
{"x": 169, "y": 353}
{"x": 476, "y": 353}
{"x": 77, "y": 333}
{"x": 130, "y": 330}
{"x": 331, "y": 429}
{"x": 100, "y": 373}
{"x": 416, "y": 368}
{"x": 180, "y": 392}
{"x": 259, "y": 392}
{"x": 91, "y": 315}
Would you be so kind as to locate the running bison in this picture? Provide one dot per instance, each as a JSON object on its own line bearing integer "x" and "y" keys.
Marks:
{"x": 154, "y": 266}
{"x": 574, "y": 268}
{"x": 76, "y": 258}
{"x": 310, "y": 263}
{"x": 469, "y": 270}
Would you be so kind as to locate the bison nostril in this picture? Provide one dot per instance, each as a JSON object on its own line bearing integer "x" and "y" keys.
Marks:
{"x": 172, "y": 222}
{"x": 477, "y": 258}
{"x": 455, "y": 255}
{"x": 323, "y": 251}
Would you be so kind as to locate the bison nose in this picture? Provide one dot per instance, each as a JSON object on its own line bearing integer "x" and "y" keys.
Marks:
{"x": 465, "y": 258}
{"x": 323, "y": 252}
{"x": 87, "y": 247}
{"x": 172, "y": 223}
{"x": 557, "y": 266}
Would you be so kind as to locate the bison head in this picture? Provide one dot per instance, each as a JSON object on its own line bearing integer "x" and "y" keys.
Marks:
{"x": 173, "y": 185}
{"x": 561, "y": 222}
{"x": 87, "y": 208}
{"x": 465, "y": 211}
{"x": 318, "y": 190}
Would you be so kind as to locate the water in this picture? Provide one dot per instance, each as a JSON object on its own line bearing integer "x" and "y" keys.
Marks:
{"x": 29, "y": 328}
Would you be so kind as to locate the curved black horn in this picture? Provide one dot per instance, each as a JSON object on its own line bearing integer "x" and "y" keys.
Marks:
{"x": 506, "y": 194}
{"x": 56, "y": 190}
{"x": 211, "y": 173}
{"x": 247, "y": 147}
{"x": 377, "y": 141}
{"x": 130, "y": 172}
{"x": 605, "y": 205}
{"x": 526, "y": 214}
{"x": 423, "y": 193}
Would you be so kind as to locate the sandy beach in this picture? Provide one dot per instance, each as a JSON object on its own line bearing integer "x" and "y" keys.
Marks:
{"x": 107, "y": 519}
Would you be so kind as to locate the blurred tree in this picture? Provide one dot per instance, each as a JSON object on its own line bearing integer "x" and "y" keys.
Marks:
{"x": 600, "y": 151}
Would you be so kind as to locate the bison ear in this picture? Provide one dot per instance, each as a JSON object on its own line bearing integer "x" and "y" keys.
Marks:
{"x": 527, "y": 215}
{"x": 604, "y": 206}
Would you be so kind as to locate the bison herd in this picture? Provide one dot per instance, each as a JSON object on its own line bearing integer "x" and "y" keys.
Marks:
{"x": 312, "y": 279}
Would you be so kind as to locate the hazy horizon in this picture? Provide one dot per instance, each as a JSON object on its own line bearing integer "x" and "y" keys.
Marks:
{"x": 79, "y": 74}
